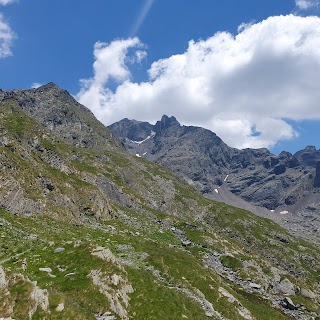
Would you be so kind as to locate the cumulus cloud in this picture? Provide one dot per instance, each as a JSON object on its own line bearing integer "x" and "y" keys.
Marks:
{"x": 110, "y": 64}
{"x": 6, "y": 38}
{"x": 306, "y": 4}
{"x": 243, "y": 87}
{"x": 5, "y": 2}
{"x": 36, "y": 85}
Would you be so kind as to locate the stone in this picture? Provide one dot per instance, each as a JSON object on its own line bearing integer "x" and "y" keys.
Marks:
{"x": 24, "y": 264}
{"x": 70, "y": 274}
{"x": 40, "y": 298}
{"x": 308, "y": 293}
{"x": 3, "y": 280}
{"x": 288, "y": 304}
{"x": 254, "y": 285}
{"x": 285, "y": 287}
{"x": 48, "y": 270}
{"x": 115, "y": 279}
{"x": 58, "y": 250}
{"x": 60, "y": 307}
{"x": 186, "y": 243}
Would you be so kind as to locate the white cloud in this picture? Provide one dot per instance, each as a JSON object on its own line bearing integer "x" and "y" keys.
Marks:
{"x": 234, "y": 85}
{"x": 142, "y": 16}
{"x": 36, "y": 85}
{"x": 6, "y": 38}
{"x": 306, "y": 4}
{"x": 5, "y": 2}
{"x": 110, "y": 64}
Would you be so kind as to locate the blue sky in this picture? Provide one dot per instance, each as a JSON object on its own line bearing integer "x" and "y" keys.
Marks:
{"x": 125, "y": 77}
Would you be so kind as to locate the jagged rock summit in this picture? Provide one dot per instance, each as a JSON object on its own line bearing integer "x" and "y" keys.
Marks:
{"x": 308, "y": 156}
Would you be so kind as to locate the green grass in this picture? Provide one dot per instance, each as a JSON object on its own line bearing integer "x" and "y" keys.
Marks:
{"x": 231, "y": 262}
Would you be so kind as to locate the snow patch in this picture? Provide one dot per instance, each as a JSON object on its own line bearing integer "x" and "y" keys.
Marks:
{"x": 138, "y": 155}
{"x": 147, "y": 138}
{"x": 216, "y": 190}
{"x": 284, "y": 212}
{"x": 145, "y": 153}
{"x": 225, "y": 179}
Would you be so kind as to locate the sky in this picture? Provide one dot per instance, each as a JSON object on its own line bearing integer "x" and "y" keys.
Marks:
{"x": 247, "y": 70}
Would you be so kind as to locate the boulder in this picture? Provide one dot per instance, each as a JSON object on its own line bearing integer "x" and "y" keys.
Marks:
{"x": 254, "y": 286}
{"x": 60, "y": 307}
{"x": 58, "y": 250}
{"x": 186, "y": 243}
{"x": 288, "y": 304}
{"x": 49, "y": 270}
{"x": 285, "y": 287}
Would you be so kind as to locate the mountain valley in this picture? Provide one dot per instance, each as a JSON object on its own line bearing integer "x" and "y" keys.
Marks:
{"x": 91, "y": 231}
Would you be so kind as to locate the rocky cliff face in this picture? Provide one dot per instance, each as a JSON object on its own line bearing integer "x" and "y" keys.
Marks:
{"x": 280, "y": 183}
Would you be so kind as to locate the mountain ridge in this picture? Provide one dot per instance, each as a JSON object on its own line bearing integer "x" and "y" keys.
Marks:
{"x": 255, "y": 176}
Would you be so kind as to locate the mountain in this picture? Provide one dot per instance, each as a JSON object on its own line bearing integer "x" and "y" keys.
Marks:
{"x": 89, "y": 231}
{"x": 254, "y": 179}
{"x": 308, "y": 156}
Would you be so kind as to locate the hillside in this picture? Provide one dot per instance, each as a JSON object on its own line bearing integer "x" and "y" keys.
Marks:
{"x": 89, "y": 231}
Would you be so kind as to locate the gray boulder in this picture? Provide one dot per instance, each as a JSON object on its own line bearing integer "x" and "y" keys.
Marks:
{"x": 285, "y": 287}
{"x": 58, "y": 250}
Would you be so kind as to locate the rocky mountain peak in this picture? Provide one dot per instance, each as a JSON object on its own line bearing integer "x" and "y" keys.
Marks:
{"x": 165, "y": 123}
{"x": 60, "y": 113}
{"x": 50, "y": 85}
{"x": 309, "y": 156}
{"x": 310, "y": 148}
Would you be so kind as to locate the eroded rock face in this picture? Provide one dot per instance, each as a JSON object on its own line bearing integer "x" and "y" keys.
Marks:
{"x": 40, "y": 299}
{"x": 116, "y": 289}
{"x": 316, "y": 183}
{"x": 35, "y": 298}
